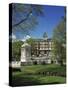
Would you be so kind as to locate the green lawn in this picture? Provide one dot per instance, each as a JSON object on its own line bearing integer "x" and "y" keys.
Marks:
{"x": 38, "y": 75}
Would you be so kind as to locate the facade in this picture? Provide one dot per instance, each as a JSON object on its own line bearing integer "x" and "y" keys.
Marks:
{"x": 41, "y": 50}
{"x": 42, "y": 47}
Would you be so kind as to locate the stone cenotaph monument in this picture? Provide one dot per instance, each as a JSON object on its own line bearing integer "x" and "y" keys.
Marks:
{"x": 26, "y": 54}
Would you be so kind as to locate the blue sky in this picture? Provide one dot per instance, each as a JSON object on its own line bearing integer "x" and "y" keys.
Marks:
{"x": 47, "y": 23}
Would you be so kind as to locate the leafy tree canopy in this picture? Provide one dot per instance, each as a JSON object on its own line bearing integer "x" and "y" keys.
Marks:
{"x": 31, "y": 41}
{"x": 59, "y": 42}
{"x": 16, "y": 50}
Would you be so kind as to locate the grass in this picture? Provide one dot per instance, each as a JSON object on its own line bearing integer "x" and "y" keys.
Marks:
{"x": 29, "y": 75}
{"x": 52, "y": 79}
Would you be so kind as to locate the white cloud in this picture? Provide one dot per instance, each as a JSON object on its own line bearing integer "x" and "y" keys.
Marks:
{"x": 26, "y": 37}
{"x": 13, "y": 37}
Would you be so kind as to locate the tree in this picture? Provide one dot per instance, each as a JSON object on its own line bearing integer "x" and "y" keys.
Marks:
{"x": 24, "y": 16}
{"x": 16, "y": 50}
{"x": 59, "y": 42}
{"x": 31, "y": 41}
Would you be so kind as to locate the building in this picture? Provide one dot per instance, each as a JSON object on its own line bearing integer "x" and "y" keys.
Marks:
{"x": 41, "y": 47}
{"x": 41, "y": 50}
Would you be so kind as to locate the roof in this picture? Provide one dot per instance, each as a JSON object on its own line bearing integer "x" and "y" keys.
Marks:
{"x": 48, "y": 39}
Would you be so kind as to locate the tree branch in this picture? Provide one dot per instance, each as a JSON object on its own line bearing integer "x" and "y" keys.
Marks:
{"x": 22, "y": 19}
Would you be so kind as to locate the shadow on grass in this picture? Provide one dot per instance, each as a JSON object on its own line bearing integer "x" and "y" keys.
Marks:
{"x": 24, "y": 81}
{"x": 29, "y": 81}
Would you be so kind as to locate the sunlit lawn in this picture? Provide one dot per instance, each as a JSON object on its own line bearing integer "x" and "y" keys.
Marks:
{"x": 35, "y": 75}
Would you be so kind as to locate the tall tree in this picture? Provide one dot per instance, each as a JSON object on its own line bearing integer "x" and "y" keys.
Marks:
{"x": 59, "y": 42}
{"x": 16, "y": 50}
